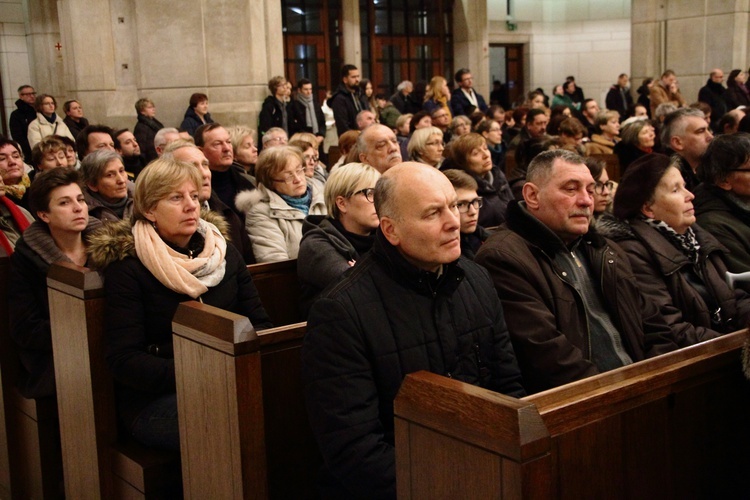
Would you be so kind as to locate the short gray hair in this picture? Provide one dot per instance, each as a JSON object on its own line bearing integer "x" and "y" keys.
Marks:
{"x": 675, "y": 123}
{"x": 94, "y": 164}
{"x": 159, "y": 138}
{"x": 540, "y": 167}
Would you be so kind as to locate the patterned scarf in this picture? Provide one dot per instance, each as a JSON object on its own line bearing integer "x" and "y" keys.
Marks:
{"x": 179, "y": 272}
{"x": 686, "y": 243}
{"x": 18, "y": 190}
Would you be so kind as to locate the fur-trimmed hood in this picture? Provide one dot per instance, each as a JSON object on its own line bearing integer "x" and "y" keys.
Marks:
{"x": 114, "y": 241}
{"x": 613, "y": 228}
{"x": 245, "y": 200}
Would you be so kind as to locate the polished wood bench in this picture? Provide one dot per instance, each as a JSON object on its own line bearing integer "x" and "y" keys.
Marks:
{"x": 97, "y": 462}
{"x": 612, "y": 163}
{"x": 243, "y": 430}
{"x": 675, "y": 426}
{"x": 279, "y": 290}
{"x": 30, "y": 461}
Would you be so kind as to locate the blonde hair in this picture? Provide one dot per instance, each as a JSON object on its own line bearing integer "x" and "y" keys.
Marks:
{"x": 158, "y": 180}
{"x": 344, "y": 181}
{"x": 237, "y": 134}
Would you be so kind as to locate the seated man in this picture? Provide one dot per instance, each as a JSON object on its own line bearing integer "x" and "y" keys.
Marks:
{"x": 130, "y": 150}
{"x": 362, "y": 340}
{"x": 722, "y": 201}
{"x": 569, "y": 295}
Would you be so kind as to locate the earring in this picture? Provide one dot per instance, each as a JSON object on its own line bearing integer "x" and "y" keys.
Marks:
{"x": 154, "y": 226}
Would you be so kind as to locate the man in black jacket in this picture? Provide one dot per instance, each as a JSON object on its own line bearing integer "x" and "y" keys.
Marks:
{"x": 411, "y": 304}
{"x": 348, "y": 100}
{"x": 22, "y": 116}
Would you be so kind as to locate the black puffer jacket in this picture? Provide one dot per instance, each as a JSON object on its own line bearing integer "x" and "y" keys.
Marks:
{"x": 668, "y": 279}
{"x": 384, "y": 320}
{"x": 345, "y": 106}
{"x": 139, "y": 311}
{"x": 494, "y": 190}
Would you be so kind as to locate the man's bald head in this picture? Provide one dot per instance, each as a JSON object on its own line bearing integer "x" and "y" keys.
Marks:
{"x": 390, "y": 187}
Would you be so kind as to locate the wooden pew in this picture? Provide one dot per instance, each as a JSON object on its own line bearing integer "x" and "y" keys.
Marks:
{"x": 30, "y": 461}
{"x": 613, "y": 165}
{"x": 243, "y": 430}
{"x": 279, "y": 289}
{"x": 96, "y": 462}
{"x": 674, "y": 426}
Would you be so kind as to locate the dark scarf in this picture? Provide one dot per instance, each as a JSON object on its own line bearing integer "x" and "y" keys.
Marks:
{"x": 51, "y": 118}
{"x": 361, "y": 244}
{"x": 117, "y": 207}
{"x": 301, "y": 203}
{"x": 685, "y": 243}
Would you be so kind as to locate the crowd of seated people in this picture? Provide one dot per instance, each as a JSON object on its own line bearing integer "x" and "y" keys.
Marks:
{"x": 526, "y": 192}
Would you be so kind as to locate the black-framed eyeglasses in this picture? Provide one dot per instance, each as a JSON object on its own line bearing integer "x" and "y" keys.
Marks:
{"x": 290, "y": 177}
{"x": 369, "y": 194}
{"x": 599, "y": 186}
{"x": 463, "y": 206}
{"x": 309, "y": 158}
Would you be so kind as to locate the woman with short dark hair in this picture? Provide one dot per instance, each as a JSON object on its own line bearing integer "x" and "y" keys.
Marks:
{"x": 60, "y": 234}
{"x": 196, "y": 114}
{"x": 678, "y": 265}
{"x": 166, "y": 254}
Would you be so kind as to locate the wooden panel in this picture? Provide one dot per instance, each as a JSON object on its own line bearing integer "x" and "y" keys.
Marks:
{"x": 613, "y": 165}
{"x": 279, "y": 290}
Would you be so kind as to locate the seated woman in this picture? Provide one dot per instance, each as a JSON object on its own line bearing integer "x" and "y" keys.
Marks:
{"x": 275, "y": 211}
{"x": 166, "y": 255}
{"x": 314, "y": 169}
{"x": 47, "y": 121}
{"x": 604, "y": 189}
{"x": 460, "y": 125}
{"x": 571, "y": 133}
{"x": 108, "y": 192}
{"x": 426, "y": 146}
{"x": 244, "y": 149}
{"x": 59, "y": 234}
{"x": 472, "y": 234}
{"x": 607, "y": 126}
{"x": 492, "y": 131}
{"x": 70, "y": 152}
{"x": 196, "y": 114}
{"x": 638, "y": 139}
{"x": 13, "y": 172}
{"x": 470, "y": 154}
{"x": 47, "y": 154}
{"x": 678, "y": 265}
{"x": 347, "y": 141}
{"x": 333, "y": 243}
{"x": 14, "y": 220}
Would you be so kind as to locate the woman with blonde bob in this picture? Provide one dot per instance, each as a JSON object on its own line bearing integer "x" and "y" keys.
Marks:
{"x": 274, "y": 212}
{"x": 426, "y": 146}
{"x": 165, "y": 255}
{"x": 333, "y": 243}
{"x": 437, "y": 95}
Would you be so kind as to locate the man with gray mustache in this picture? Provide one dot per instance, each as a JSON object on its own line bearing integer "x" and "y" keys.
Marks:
{"x": 570, "y": 300}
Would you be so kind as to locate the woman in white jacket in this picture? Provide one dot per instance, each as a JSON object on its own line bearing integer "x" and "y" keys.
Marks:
{"x": 274, "y": 212}
{"x": 47, "y": 122}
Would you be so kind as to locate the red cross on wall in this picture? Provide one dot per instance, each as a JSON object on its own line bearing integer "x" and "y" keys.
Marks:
{"x": 58, "y": 46}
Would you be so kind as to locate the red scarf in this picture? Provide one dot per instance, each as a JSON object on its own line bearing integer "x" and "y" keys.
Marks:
{"x": 18, "y": 217}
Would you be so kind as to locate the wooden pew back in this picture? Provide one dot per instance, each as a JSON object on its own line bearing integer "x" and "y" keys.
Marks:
{"x": 96, "y": 463}
{"x": 669, "y": 427}
{"x": 279, "y": 290}
{"x": 612, "y": 162}
{"x": 258, "y": 421}
{"x": 30, "y": 462}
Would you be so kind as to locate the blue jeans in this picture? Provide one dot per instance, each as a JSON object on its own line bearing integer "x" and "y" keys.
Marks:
{"x": 156, "y": 426}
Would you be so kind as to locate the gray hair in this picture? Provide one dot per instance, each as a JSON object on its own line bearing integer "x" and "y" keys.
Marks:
{"x": 540, "y": 168}
{"x": 403, "y": 85}
{"x": 159, "y": 138}
{"x": 94, "y": 164}
{"x": 418, "y": 141}
{"x": 675, "y": 124}
{"x": 385, "y": 204}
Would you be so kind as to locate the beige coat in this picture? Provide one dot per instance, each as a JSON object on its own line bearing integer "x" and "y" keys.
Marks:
{"x": 275, "y": 228}
{"x": 599, "y": 145}
{"x": 41, "y": 128}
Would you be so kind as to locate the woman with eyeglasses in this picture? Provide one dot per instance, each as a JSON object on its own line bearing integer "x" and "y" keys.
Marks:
{"x": 604, "y": 189}
{"x": 470, "y": 154}
{"x": 47, "y": 121}
{"x": 333, "y": 243}
{"x": 469, "y": 202}
{"x": 314, "y": 168}
{"x": 426, "y": 146}
{"x": 678, "y": 265}
{"x": 275, "y": 211}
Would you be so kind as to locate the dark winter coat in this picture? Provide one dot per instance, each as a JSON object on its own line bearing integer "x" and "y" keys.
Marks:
{"x": 666, "y": 277}
{"x": 192, "y": 121}
{"x": 713, "y": 94}
{"x": 298, "y": 118}
{"x": 19, "y": 125}
{"x": 345, "y": 106}
{"x": 75, "y": 127}
{"x": 139, "y": 311}
{"x": 35, "y": 252}
{"x": 272, "y": 115}
{"x": 460, "y": 104}
{"x": 620, "y": 100}
{"x": 545, "y": 313}
{"x": 735, "y": 96}
{"x": 728, "y": 220}
{"x": 495, "y": 192}
{"x": 384, "y": 320}
{"x": 145, "y": 132}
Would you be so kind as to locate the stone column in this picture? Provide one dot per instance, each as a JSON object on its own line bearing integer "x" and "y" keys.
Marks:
{"x": 352, "y": 42}
{"x": 471, "y": 42}
{"x": 690, "y": 37}
{"x": 121, "y": 50}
